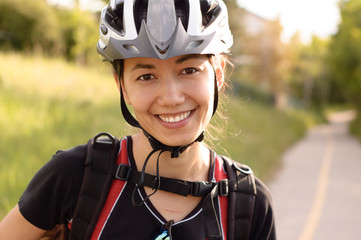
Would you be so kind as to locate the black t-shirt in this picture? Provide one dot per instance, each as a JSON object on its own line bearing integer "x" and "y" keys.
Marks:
{"x": 51, "y": 196}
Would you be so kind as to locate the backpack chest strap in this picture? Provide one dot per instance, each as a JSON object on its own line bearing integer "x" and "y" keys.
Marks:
{"x": 197, "y": 189}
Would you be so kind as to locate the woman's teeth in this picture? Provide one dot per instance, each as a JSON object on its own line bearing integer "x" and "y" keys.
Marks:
{"x": 176, "y": 118}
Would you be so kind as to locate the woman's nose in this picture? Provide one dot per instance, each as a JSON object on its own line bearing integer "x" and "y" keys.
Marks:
{"x": 170, "y": 92}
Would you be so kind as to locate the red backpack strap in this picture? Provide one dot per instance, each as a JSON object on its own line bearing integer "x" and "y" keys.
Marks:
{"x": 241, "y": 199}
{"x": 99, "y": 164}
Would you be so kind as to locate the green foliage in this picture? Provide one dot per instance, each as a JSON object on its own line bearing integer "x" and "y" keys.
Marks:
{"x": 79, "y": 35}
{"x": 345, "y": 52}
{"x": 51, "y": 105}
{"x": 29, "y": 25}
{"x": 308, "y": 73}
{"x": 34, "y": 26}
{"x": 355, "y": 127}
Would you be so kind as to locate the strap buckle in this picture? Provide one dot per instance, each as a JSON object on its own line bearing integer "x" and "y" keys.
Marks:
{"x": 201, "y": 189}
{"x": 123, "y": 172}
{"x": 223, "y": 187}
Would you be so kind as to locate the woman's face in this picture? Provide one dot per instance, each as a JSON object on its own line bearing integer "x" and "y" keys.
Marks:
{"x": 172, "y": 99}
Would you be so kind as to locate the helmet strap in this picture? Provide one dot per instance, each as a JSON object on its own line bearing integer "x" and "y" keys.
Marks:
{"x": 215, "y": 101}
{"x": 174, "y": 150}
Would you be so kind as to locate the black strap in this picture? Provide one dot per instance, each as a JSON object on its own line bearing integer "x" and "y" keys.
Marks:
{"x": 175, "y": 151}
{"x": 241, "y": 199}
{"x": 101, "y": 154}
{"x": 212, "y": 223}
{"x": 198, "y": 189}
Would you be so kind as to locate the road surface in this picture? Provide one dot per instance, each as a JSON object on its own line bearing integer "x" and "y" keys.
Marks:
{"x": 317, "y": 193}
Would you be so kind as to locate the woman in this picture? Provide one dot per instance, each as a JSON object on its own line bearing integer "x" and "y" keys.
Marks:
{"x": 169, "y": 61}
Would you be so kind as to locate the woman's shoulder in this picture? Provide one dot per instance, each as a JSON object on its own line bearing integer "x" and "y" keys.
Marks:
{"x": 71, "y": 156}
{"x": 52, "y": 193}
{"x": 263, "y": 192}
{"x": 67, "y": 162}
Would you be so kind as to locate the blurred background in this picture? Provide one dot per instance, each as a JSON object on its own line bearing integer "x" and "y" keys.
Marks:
{"x": 295, "y": 62}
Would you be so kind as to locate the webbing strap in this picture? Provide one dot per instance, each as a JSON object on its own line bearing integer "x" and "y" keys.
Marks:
{"x": 102, "y": 153}
{"x": 181, "y": 187}
{"x": 212, "y": 223}
{"x": 241, "y": 200}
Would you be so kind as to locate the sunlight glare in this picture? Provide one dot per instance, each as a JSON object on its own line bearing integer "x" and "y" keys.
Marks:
{"x": 309, "y": 17}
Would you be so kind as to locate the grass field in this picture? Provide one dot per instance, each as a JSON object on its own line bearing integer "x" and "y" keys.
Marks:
{"x": 48, "y": 104}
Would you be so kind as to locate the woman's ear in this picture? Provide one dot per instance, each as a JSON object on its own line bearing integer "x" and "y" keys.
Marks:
{"x": 121, "y": 87}
{"x": 117, "y": 80}
{"x": 219, "y": 70}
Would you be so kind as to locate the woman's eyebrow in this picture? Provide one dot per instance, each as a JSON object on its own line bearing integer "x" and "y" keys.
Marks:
{"x": 144, "y": 66}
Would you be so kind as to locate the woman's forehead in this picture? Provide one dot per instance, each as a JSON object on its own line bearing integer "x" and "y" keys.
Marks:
{"x": 174, "y": 60}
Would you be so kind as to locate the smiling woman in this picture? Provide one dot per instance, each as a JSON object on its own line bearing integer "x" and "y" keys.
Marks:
{"x": 170, "y": 73}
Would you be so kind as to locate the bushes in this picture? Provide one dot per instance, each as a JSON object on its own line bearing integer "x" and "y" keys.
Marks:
{"x": 33, "y": 26}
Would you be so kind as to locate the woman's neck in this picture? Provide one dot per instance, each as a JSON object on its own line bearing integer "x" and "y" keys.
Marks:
{"x": 192, "y": 165}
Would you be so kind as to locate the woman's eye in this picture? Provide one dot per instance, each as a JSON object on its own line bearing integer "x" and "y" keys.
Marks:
{"x": 189, "y": 71}
{"x": 146, "y": 77}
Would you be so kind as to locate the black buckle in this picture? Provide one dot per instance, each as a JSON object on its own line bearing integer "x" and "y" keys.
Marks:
{"x": 223, "y": 187}
{"x": 201, "y": 189}
{"x": 123, "y": 172}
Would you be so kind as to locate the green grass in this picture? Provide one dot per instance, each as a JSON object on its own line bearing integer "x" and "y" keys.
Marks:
{"x": 258, "y": 135}
{"x": 48, "y": 104}
{"x": 355, "y": 127}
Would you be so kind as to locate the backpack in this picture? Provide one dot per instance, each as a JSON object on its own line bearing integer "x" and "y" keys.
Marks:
{"x": 101, "y": 168}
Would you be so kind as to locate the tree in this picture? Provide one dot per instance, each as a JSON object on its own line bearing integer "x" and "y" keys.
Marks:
{"x": 79, "y": 34}
{"x": 345, "y": 52}
{"x": 29, "y": 25}
{"x": 307, "y": 71}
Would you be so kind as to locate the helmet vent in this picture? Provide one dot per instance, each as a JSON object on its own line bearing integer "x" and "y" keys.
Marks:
{"x": 140, "y": 13}
{"x": 104, "y": 29}
{"x": 162, "y": 51}
{"x": 182, "y": 12}
{"x": 114, "y": 17}
{"x": 194, "y": 44}
{"x": 210, "y": 10}
{"x": 131, "y": 48}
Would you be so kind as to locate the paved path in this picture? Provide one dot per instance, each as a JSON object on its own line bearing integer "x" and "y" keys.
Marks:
{"x": 317, "y": 193}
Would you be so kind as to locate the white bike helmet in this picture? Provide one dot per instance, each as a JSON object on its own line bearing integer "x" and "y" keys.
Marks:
{"x": 163, "y": 28}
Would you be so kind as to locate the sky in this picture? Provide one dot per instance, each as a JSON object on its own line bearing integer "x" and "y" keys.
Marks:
{"x": 309, "y": 17}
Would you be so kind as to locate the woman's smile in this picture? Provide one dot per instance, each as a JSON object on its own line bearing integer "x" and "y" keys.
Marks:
{"x": 174, "y": 118}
